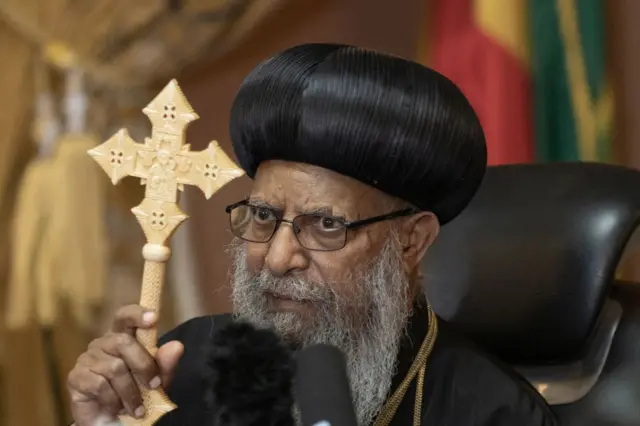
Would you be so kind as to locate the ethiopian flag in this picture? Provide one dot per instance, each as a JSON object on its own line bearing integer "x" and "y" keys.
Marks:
{"x": 573, "y": 98}
{"x": 534, "y": 71}
{"x": 483, "y": 46}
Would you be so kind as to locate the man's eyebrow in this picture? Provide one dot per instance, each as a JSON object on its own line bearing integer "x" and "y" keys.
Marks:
{"x": 259, "y": 202}
{"x": 325, "y": 211}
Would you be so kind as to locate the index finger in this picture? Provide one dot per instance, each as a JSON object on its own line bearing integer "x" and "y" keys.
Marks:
{"x": 131, "y": 317}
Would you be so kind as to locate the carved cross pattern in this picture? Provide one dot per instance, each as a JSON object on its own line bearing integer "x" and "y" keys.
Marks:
{"x": 165, "y": 164}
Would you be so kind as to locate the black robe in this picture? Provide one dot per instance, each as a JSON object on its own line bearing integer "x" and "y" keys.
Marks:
{"x": 463, "y": 386}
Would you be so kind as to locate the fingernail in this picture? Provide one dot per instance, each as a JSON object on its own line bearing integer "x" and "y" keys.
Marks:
{"x": 139, "y": 411}
{"x": 148, "y": 317}
{"x": 155, "y": 382}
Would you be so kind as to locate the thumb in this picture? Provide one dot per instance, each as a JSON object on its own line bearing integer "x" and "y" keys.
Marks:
{"x": 167, "y": 358}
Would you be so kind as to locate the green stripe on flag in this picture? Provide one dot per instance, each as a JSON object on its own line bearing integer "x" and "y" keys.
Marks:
{"x": 573, "y": 101}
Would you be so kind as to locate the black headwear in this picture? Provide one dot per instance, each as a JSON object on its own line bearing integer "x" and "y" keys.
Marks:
{"x": 385, "y": 121}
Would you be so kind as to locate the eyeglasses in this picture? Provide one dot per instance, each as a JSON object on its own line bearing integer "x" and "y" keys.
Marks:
{"x": 314, "y": 231}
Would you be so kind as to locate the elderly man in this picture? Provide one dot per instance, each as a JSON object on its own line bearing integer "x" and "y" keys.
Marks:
{"x": 357, "y": 159}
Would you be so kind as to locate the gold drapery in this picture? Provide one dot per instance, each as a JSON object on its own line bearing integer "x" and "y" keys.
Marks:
{"x": 17, "y": 56}
{"x": 17, "y": 88}
{"x": 22, "y": 352}
{"x": 123, "y": 43}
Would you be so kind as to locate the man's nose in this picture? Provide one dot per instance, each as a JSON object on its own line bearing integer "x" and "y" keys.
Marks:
{"x": 285, "y": 254}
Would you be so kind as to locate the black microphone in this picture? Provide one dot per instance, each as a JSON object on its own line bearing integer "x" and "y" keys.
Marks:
{"x": 321, "y": 388}
{"x": 251, "y": 375}
{"x": 247, "y": 382}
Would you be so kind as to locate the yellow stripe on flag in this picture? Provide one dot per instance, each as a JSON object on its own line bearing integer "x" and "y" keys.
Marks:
{"x": 506, "y": 22}
{"x": 592, "y": 116}
{"x": 604, "y": 109}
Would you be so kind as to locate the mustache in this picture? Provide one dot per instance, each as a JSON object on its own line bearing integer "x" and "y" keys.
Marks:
{"x": 299, "y": 289}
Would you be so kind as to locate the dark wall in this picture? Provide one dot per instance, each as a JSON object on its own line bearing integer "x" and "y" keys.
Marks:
{"x": 624, "y": 58}
{"x": 394, "y": 27}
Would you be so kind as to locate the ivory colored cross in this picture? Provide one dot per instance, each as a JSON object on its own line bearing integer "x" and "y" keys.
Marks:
{"x": 165, "y": 165}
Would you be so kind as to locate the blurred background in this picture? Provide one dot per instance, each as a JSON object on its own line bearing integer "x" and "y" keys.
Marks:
{"x": 552, "y": 80}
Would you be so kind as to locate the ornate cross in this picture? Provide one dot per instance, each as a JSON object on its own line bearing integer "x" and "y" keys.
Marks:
{"x": 165, "y": 165}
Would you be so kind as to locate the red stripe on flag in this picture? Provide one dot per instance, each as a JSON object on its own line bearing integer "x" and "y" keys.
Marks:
{"x": 495, "y": 82}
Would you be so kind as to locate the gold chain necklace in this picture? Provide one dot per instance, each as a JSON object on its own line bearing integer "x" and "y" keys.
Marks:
{"x": 418, "y": 367}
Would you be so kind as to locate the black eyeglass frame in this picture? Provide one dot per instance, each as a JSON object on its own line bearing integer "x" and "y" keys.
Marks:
{"x": 355, "y": 224}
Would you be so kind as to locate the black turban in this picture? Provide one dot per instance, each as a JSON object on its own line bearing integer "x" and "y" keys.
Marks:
{"x": 385, "y": 121}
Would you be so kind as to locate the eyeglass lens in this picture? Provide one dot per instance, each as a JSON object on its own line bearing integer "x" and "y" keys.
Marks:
{"x": 314, "y": 232}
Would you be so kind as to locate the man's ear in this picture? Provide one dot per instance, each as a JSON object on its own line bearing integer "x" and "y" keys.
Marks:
{"x": 418, "y": 233}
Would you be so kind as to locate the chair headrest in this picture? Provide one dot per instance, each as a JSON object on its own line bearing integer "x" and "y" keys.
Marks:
{"x": 525, "y": 268}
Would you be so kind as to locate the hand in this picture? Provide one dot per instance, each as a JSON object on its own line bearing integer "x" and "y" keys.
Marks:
{"x": 102, "y": 383}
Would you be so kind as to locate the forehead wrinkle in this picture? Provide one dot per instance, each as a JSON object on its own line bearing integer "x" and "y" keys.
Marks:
{"x": 309, "y": 194}
{"x": 353, "y": 201}
{"x": 298, "y": 187}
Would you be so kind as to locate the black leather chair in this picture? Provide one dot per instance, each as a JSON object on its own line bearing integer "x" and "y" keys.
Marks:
{"x": 528, "y": 272}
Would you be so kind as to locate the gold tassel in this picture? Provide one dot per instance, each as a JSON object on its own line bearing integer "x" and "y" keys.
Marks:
{"x": 78, "y": 237}
{"x": 30, "y": 220}
{"x": 31, "y": 277}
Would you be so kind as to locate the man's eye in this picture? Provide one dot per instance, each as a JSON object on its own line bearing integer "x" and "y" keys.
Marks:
{"x": 329, "y": 223}
{"x": 262, "y": 214}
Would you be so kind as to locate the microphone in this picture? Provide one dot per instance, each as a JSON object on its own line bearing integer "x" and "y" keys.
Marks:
{"x": 247, "y": 381}
{"x": 250, "y": 379}
{"x": 322, "y": 389}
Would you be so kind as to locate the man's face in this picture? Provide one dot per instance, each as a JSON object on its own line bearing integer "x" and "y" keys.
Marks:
{"x": 294, "y": 189}
{"x": 356, "y": 298}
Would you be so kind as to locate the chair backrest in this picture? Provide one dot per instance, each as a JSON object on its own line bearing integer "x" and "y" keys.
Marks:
{"x": 527, "y": 268}
{"x": 614, "y": 398}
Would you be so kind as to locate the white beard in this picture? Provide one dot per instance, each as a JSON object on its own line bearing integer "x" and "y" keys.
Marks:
{"x": 368, "y": 328}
